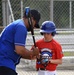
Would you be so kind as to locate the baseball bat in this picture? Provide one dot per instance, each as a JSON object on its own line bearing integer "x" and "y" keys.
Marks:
{"x": 28, "y": 14}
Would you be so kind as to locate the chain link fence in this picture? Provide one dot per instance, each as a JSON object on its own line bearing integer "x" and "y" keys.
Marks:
{"x": 63, "y": 13}
{"x": 59, "y": 11}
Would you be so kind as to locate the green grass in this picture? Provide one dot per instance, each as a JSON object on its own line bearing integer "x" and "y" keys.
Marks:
{"x": 68, "y": 53}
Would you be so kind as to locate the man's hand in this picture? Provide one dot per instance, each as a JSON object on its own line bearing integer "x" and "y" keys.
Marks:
{"x": 25, "y": 53}
{"x": 35, "y": 51}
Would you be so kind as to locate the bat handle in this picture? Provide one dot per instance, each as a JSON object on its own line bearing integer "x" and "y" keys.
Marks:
{"x": 34, "y": 40}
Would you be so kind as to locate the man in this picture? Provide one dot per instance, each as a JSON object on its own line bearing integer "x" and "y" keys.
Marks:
{"x": 50, "y": 50}
{"x": 12, "y": 43}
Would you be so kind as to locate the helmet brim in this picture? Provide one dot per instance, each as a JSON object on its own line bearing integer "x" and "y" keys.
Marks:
{"x": 42, "y": 31}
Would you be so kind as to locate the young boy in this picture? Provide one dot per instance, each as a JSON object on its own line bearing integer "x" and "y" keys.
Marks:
{"x": 50, "y": 50}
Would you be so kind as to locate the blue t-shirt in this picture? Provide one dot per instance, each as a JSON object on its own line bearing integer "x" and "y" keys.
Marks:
{"x": 14, "y": 34}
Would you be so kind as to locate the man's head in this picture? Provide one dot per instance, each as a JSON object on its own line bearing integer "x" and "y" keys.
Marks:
{"x": 35, "y": 16}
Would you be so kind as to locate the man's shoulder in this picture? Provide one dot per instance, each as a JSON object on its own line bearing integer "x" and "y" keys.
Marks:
{"x": 19, "y": 21}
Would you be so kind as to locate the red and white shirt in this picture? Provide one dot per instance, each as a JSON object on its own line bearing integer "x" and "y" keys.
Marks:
{"x": 56, "y": 50}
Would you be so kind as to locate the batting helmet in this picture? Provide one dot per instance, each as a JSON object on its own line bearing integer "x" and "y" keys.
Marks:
{"x": 48, "y": 27}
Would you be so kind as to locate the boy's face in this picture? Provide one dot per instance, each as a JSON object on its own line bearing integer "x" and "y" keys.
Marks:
{"x": 47, "y": 36}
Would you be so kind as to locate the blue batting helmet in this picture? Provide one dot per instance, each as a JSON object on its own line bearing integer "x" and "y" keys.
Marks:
{"x": 48, "y": 27}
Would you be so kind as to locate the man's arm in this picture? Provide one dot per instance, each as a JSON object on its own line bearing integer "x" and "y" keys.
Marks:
{"x": 25, "y": 53}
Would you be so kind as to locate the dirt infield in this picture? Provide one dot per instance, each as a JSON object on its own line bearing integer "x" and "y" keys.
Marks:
{"x": 59, "y": 72}
{"x": 29, "y": 69}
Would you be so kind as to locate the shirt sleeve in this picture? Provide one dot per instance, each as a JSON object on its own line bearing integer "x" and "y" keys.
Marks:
{"x": 59, "y": 53}
{"x": 20, "y": 35}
